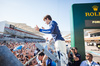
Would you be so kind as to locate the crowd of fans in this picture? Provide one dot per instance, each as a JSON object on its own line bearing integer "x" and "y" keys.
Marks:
{"x": 26, "y": 53}
{"x": 29, "y": 51}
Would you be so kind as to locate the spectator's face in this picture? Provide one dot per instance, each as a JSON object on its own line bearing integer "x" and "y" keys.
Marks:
{"x": 27, "y": 54}
{"x": 88, "y": 57}
{"x": 40, "y": 57}
{"x": 21, "y": 56}
{"x": 34, "y": 62}
{"x": 17, "y": 56}
{"x": 75, "y": 50}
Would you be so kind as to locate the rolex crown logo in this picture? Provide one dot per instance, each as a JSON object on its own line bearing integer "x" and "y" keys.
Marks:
{"x": 95, "y": 8}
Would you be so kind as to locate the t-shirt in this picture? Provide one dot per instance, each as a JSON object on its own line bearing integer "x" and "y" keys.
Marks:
{"x": 73, "y": 62}
{"x": 39, "y": 62}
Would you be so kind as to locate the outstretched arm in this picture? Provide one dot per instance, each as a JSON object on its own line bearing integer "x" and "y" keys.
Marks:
{"x": 48, "y": 31}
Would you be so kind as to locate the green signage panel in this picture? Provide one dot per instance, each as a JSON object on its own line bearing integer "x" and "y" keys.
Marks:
{"x": 83, "y": 16}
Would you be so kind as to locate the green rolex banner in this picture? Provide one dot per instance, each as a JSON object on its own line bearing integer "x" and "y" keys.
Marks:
{"x": 83, "y": 16}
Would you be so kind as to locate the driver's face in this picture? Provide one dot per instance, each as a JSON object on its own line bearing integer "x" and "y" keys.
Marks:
{"x": 47, "y": 21}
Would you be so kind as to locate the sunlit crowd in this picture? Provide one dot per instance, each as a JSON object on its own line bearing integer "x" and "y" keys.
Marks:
{"x": 29, "y": 50}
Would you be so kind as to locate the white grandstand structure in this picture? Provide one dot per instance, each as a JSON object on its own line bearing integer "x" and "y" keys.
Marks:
{"x": 91, "y": 36}
{"x": 19, "y": 32}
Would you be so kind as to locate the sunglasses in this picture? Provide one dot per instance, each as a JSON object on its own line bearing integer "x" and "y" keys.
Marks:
{"x": 87, "y": 56}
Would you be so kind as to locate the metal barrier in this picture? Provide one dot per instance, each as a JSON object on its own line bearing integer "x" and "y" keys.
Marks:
{"x": 7, "y": 58}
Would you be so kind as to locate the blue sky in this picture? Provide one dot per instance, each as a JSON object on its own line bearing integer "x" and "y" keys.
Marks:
{"x": 32, "y": 12}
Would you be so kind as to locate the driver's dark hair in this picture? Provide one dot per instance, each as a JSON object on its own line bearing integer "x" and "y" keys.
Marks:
{"x": 47, "y": 16}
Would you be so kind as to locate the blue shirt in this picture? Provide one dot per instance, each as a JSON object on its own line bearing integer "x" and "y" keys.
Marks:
{"x": 53, "y": 30}
{"x": 85, "y": 63}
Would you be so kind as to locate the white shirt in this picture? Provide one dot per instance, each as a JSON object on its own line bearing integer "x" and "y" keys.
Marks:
{"x": 39, "y": 62}
{"x": 87, "y": 63}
